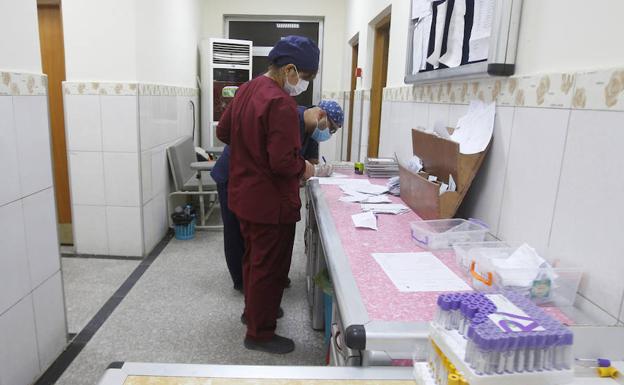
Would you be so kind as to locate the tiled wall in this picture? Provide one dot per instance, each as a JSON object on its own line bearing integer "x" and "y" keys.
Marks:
{"x": 32, "y": 310}
{"x": 119, "y": 177}
{"x": 553, "y": 177}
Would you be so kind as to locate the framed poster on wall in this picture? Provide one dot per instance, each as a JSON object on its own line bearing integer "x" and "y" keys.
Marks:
{"x": 462, "y": 38}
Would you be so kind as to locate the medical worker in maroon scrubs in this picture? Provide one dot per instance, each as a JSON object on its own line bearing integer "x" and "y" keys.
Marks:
{"x": 261, "y": 126}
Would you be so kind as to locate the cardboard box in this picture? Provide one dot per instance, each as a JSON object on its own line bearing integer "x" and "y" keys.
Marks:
{"x": 440, "y": 157}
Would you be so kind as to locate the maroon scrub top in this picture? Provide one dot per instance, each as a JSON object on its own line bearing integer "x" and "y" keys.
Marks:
{"x": 261, "y": 126}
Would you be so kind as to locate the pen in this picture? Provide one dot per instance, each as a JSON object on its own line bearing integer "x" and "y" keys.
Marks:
{"x": 324, "y": 161}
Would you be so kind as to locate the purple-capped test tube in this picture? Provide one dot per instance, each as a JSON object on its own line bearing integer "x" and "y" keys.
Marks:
{"x": 563, "y": 351}
{"x": 444, "y": 311}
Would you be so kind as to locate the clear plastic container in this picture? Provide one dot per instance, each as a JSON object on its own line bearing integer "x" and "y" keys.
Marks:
{"x": 444, "y": 233}
{"x": 463, "y": 250}
{"x": 550, "y": 286}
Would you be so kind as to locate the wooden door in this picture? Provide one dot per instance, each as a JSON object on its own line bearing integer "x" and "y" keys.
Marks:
{"x": 380, "y": 75}
{"x": 53, "y": 62}
{"x": 354, "y": 60}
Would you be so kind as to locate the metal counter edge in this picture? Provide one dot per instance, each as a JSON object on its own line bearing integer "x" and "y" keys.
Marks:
{"x": 352, "y": 309}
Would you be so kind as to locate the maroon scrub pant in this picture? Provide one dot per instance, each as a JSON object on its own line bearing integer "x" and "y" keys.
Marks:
{"x": 268, "y": 252}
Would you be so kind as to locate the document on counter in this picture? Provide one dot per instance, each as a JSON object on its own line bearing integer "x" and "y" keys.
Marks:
{"x": 364, "y": 198}
{"x": 343, "y": 181}
{"x": 371, "y": 189}
{"x": 385, "y": 208}
{"x": 419, "y": 272}
{"x": 366, "y": 220}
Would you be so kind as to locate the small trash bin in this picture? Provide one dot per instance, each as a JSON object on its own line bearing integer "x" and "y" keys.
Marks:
{"x": 184, "y": 222}
{"x": 185, "y": 232}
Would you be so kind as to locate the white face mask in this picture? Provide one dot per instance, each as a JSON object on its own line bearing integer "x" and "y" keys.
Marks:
{"x": 298, "y": 88}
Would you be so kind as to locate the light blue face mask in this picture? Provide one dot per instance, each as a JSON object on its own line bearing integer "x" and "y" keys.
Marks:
{"x": 321, "y": 135}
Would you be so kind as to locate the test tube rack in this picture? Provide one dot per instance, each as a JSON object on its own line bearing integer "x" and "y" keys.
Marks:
{"x": 453, "y": 346}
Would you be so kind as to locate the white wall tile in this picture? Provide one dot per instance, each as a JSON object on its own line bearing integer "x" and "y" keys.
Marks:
{"x": 160, "y": 216}
{"x": 83, "y": 122}
{"x": 50, "y": 320}
{"x": 160, "y": 170}
{"x": 119, "y": 123}
{"x": 146, "y": 121}
{"x": 87, "y": 178}
{"x": 484, "y": 198}
{"x": 357, "y": 126}
{"x": 149, "y": 226}
{"x": 14, "y": 273}
{"x": 42, "y": 240}
{"x": 589, "y": 215}
{"x": 19, "y": 362}
{"x": 33, "y": 142}
{"x": 125, "y": 234}
{"x": 438, "y": 113}
{"x": 9, "y": 166}
{"x": 365, "y": 128}
{"x": 532, "y": 177}
{"x": 146, "y": 175}
{"x": 90, "y": 233}
{"x": 386, "y": 130}
{"x": 121, "y": 179}
{"x": 456, "y": 111}
{"x": 185, "y": 116}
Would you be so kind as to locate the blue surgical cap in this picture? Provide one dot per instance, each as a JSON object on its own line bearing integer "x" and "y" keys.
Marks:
{"x": 333, "y": 110}
{"x": 298, "y": 50}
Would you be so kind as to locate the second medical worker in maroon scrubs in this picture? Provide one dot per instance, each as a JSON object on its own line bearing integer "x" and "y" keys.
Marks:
{"x": 261, "y": 125}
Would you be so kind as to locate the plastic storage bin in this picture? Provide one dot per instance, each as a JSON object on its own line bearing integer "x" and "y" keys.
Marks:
{"x": 463, "y": 250}
{"x": 549, "y": 286}
{"x": 443, "y": 233}
{"x": 185, "y": 231}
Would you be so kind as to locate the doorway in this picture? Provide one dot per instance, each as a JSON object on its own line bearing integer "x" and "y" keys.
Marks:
{"x": 354, "y": 62}
{"x": 264, "y": 32}
{"x": 53, "y": 63}
{"x": 380, "y": 76}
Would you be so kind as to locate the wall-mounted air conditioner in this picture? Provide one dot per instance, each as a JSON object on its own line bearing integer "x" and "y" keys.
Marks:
{"x": 225, "y": 64}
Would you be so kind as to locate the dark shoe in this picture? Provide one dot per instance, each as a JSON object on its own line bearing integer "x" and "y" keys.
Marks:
{"x": 287, "y": 283}
{"x": 239, "y": 288}
{"x": 276, "y": 345}
{"x": 280, "y": 314}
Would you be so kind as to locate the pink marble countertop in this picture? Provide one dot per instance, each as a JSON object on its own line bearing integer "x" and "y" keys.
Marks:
{"x": 382, "y": 300}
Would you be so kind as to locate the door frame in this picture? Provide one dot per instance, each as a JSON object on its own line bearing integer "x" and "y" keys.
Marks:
{"x": 58, "y": 139}
{"x": 355, "y": 50}
{"x": 378, "y": 82}
{"x": 264, "y": 51}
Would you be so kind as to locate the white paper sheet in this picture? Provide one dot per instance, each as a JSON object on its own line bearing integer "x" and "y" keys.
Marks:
{"x": 419, "y": 272}
{"x": 420, "y": 42}
{"x": 364, "y": 198}
{"x": 366, "y": 220}
{"x": 420, "y": 8}
{"x": 338, "y": 175}
{"x": 481, "y": 30}
{"x": 343, "y": 181}
{"x": 372, "y": 189}
{"x": 434, "y": 58}
{"x": 385, "y": 208}
{"x": 474, "y": 130}
{"x": 451, "y": 185}
{"x": 455, "y": 42}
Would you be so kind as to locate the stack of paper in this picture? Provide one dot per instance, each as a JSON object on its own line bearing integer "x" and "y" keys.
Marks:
{"x": 381, "y": 167}
{"x": 394, "y": 186}
{"x": 395, "y": 208}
